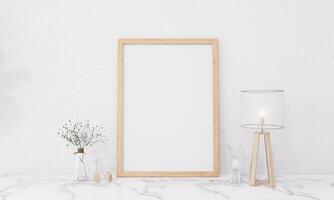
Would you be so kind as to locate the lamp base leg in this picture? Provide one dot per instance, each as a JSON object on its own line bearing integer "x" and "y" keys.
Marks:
{"x": 255, "y": 152}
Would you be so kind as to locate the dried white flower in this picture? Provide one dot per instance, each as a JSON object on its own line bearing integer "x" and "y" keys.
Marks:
{"x": 81, "y": 133}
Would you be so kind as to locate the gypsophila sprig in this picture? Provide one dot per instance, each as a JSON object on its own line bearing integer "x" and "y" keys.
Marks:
{"x": 81, "y": 133}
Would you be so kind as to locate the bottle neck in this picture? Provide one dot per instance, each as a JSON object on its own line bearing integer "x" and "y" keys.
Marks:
{"x": 80, "y": 150}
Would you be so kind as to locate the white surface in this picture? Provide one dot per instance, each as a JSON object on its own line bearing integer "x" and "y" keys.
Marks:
{"x": 35, "y": 187}
{"x": 168, "y": 108}
{"x": 58, "y": 61}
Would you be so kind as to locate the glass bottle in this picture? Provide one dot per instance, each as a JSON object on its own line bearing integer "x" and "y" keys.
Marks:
{"x": 235, "y": 171}
{"x": 97, "y": 175}
{"x": 80, "y": 170}
{"x": 235, "y": 167}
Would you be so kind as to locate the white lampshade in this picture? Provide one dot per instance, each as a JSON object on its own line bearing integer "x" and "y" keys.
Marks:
{"x": 259, "y": 106}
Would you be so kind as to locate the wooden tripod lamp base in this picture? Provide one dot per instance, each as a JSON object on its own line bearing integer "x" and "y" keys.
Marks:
{"x": 255, "y": 152}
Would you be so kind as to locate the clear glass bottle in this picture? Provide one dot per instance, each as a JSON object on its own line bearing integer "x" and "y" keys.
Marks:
{"x": 80, "y": 170}
{"x": 97, "y": 175}
{"x": 235, "y": 167}
{"x": 235, "y": 171}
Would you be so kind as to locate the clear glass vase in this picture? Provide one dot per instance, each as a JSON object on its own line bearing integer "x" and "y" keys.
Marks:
{"x": 235, "y": 167}
{"x": 235, "y": 172}
{"x": 80, "y": 169}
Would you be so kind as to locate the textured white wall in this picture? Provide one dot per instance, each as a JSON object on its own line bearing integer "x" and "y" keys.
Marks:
{"x": 58, "y": 61}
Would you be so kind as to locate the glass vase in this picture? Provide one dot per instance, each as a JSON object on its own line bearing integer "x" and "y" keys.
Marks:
{"x": 235, "y": 167}
{"x": 80, "y": 170}
{"x": 235, "y": 172}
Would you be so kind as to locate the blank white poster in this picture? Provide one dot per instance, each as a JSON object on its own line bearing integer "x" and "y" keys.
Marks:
{"x": 168, "y": 108}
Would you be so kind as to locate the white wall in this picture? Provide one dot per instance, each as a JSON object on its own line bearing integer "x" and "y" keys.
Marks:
{"x": 58, "y": 61}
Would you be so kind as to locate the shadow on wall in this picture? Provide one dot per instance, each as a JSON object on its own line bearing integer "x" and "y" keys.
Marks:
{"x": 10, "y": 111}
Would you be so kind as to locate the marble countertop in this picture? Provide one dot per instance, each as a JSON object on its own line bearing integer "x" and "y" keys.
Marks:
{"x": 60, "y": 187}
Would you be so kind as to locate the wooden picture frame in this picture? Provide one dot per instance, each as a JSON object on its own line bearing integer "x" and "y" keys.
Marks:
{"x": 215, "y": 171}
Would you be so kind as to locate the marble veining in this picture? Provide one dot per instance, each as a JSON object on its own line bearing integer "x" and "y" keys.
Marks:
{"x": 60, "y": 186}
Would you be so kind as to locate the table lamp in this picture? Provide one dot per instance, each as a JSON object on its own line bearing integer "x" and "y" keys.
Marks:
{"x": 262, "y": 110}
